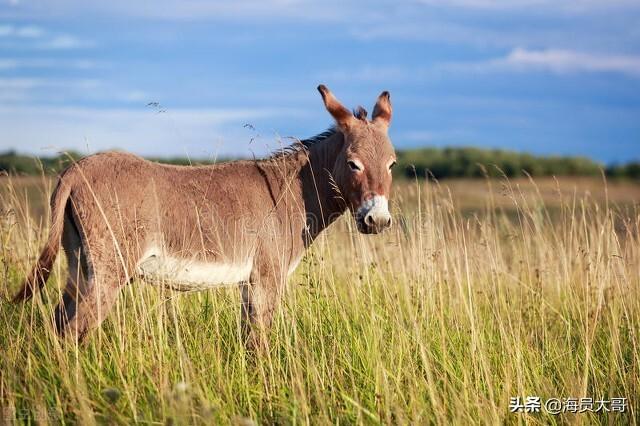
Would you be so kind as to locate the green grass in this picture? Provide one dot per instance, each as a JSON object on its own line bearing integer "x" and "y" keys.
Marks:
{"x": 441, "y": 320}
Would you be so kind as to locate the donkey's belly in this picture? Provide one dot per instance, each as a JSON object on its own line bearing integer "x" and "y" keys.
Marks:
{"x": 187, "y": 275}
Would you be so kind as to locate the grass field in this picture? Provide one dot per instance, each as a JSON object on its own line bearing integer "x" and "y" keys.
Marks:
{"x": 482, "y": 291}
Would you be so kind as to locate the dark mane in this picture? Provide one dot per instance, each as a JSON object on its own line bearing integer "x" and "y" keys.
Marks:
{"x": 300, "y": 145}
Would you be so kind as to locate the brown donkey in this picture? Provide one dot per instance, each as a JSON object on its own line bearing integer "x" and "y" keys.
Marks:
{"x": 190, "y": 228}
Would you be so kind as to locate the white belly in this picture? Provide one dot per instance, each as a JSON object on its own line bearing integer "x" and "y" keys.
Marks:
{"x": 186, "y": 274}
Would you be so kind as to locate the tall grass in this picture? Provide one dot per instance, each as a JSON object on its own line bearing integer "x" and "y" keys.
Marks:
{"x": 441, "y": 320}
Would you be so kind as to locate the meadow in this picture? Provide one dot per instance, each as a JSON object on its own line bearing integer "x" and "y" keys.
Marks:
{"x": 483, "y": 290}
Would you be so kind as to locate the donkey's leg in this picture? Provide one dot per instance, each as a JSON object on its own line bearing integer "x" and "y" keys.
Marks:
{"x": 260, "y": 299}
{"x": 88, "y": 303}
{"x": 91, "y": 288}
{"x": 66, "y": 310}
{"x": 103, "y": 288}
{"x": 77, "y": 275}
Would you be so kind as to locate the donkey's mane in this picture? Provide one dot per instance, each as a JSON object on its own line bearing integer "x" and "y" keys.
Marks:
{"x": 301, "y": 145}
{"x": 304, "y": 144}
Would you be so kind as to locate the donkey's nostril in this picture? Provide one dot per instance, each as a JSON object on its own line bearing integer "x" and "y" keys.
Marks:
{"x": 388, "y": 222}
{"x": 369, "y": 220}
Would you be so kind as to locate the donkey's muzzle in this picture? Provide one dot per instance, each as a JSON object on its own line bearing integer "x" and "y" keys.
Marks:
{"x": 373, "y": 215}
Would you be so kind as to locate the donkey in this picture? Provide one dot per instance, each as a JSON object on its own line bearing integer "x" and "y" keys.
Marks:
{"x": 248, "y": 222}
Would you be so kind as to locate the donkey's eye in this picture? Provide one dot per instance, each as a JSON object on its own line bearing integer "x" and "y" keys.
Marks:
{"x": 354, "y": 166}
{"x": 392, "y": 165}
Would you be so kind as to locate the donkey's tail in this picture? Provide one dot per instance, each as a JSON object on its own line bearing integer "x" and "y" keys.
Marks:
{"x": 40, "y": 273}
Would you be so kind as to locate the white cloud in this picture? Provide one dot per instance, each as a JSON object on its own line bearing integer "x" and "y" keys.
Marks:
{"x": 24, "y": 31}
{"x": 37, "y": 63}
{"x": 32, "y": 83}
{"x": 137, "y": 96}
{"x": 30, "y": 31}
{"x": 20, "y": 83}
{"x": 558, "y": 61}
{"x": 560, "y": 5}
{"x": 13, "y": 96}
{"x": 191, "y": 9}
{"x": 308, "y": 10}
{"x": 554, "y": 60}
{"x": 448, "y": 32}
{"x": 64, "y": 41}
{"x": 8, "y": 64}
{"x": 38, "y": 90}
{"x": 195, "y": 132}
{"x": 570, "y": 61}
{"x": 573, "y": 24}
{"x": 32, "y": 36}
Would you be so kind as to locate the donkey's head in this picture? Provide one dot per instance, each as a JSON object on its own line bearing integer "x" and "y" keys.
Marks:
{"x": 362, "y": 170}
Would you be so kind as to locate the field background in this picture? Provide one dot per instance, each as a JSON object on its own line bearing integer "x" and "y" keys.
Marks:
{"x": 483, "y": 290}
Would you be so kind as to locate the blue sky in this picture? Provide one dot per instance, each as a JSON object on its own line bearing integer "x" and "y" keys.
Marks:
{"x": 543, "y": 76}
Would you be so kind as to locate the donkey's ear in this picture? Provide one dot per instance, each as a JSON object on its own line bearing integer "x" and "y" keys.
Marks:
{"x": 342, "y": 115}
{"x": 382, "y": 110}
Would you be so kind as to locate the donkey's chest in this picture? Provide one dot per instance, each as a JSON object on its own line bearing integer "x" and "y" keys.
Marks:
{"x": 188, "y": 274}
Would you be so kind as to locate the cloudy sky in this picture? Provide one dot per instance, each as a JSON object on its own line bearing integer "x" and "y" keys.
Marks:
{"x": 205, "y": 79}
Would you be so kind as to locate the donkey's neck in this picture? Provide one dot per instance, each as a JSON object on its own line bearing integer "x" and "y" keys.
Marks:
{"x": 308, "y": 170}
{"x": 322, "y": 201}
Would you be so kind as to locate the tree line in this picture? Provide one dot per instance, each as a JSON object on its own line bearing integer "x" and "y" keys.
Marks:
{"x": 439, "y": 163}
{"x": 476, "y": 162}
